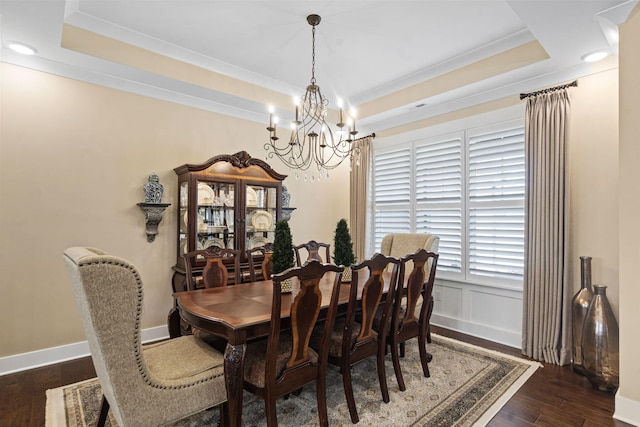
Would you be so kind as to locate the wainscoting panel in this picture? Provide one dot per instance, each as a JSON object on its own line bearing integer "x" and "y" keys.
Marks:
{"x": 489, "y": 308}
{"x": 448, "y": 301}
{"x": 491, "y": 313}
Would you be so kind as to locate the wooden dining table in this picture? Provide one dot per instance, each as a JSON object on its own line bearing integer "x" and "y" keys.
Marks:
{"x": 241, "y": 313}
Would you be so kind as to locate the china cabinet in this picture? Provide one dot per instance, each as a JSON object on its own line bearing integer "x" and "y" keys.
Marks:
{"x": 229, "y": 201}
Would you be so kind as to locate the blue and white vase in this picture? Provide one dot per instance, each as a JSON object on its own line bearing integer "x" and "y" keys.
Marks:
{"x": 153, "y": 190}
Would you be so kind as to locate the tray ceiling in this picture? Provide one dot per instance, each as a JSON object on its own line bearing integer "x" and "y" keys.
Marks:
{"x": 394, "y": 61}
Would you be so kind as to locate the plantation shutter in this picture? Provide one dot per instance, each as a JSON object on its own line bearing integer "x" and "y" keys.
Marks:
{"x": 392, "y": 190}
{"x": 439, "y": 198}
{"x": 496, "y": 204}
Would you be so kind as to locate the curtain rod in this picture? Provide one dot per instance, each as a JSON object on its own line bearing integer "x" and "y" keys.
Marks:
{"x": 373, "y": 135}
{"x": 551, "y": 89}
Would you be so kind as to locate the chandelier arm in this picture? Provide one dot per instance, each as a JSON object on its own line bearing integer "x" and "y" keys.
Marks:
{"x": 300, "y": 156}
{"x": 286, "y": 154}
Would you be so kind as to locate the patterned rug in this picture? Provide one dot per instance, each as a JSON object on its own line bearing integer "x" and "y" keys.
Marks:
{"x": 467, "y": 387}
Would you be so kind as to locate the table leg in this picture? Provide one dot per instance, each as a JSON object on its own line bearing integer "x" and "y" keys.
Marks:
{"x": 234, "y": 376}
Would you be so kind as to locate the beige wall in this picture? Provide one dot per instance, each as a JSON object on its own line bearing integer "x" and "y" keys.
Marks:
{"x": 73, "y": 160}
{"x": 593, "y": 178}
{"x": 628, "y": 397}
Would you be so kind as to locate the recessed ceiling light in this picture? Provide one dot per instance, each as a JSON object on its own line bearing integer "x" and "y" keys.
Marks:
{"x": 21, "y": 48}
{"x": 595, "y": 56}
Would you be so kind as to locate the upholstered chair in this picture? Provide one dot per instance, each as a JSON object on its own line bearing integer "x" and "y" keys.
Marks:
{"x": 150, "y": 385}
{"x": 400, "y": 244}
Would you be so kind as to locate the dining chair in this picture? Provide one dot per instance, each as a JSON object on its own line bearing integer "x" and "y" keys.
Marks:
{"x": 313, "y": 251}
{"x": 353, "y": 340}
{"x": 142, "y": 385}
{"x": 214, "y": 274}
{"x": 400, "y": 244}
{"x": 283, "y": 362}
{"x": 216, "y": 263}
{"x": 409, "y": 318}
{"x": 264, "y": 269}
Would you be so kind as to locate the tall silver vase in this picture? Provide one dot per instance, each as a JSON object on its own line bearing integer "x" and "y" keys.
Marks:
{"x": 600, "y": 343}
{"x": 579, "y": 307}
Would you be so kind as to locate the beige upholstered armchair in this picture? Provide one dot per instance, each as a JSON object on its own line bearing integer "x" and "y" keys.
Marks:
{"x": 402, "y": 244}
{"x": 143, "y": 385}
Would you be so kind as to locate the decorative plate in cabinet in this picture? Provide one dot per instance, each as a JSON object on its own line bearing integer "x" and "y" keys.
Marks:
{"x": 261, "y": 220}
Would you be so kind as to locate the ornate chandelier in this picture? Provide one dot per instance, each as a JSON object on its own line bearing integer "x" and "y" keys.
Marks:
{"x": 313, "y": 144}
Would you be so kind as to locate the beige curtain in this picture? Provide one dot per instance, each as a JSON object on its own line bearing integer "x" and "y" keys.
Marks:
{"x": 360, "y": 200}
{"x": 546, "y": 333}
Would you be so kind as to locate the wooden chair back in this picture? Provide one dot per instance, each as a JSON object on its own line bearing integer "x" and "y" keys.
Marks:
{"x": 260, "y": 270}
{"x": 314, "y": 251}
{"x": 373, "y": 298}
{"x": 367, "y": 342}
{"x": 216, "y": 263}
{"x": 290, "y": 363}
{"x": 304, "y": 312}
{"x": 418, "y": 286}
{"x": 405, "y": 322}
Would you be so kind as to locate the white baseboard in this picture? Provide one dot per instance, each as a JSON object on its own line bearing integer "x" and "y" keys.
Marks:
{"x": 500, "y": 336}
{"x": 49, "y": 356}
{"x": 627, "y": 410}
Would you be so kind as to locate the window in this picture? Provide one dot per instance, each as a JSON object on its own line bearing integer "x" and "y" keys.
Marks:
{"x": 439, "y": 202}
{"x": 391, "y": 186}
{"x": 466, "y": 187}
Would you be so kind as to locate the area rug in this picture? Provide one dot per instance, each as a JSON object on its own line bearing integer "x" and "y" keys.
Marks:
{"x": 467, "y": 387}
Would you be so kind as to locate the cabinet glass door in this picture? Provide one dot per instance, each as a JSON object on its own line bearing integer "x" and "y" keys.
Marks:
{"x": 215, "y": 215}
{"x": 261, "y": 215}
{"x": 183, "y": 218}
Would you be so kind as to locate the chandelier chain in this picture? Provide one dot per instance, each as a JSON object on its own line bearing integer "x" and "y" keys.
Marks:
{"x": 313, "y": 55}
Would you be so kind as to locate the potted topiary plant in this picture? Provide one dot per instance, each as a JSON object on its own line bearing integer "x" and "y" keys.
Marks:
{"x": 283, "y": 256}
{"x": 343, "y": 249}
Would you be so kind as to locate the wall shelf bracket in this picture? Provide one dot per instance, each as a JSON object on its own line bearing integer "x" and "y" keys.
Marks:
{"x": 153, "y": 215}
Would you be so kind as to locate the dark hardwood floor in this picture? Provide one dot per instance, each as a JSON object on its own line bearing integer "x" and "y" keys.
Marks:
{"x": 553, "y": 396}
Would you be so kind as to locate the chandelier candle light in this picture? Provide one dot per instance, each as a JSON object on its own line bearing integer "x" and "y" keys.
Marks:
{"x": 312, "y": 143}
